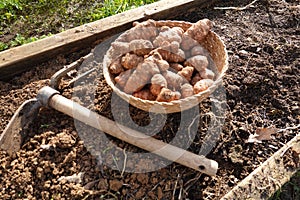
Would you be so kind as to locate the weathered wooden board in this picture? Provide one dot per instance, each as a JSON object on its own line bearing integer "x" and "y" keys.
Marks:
{"x": 268, "y": 177}
{"x": 19, "y": 59}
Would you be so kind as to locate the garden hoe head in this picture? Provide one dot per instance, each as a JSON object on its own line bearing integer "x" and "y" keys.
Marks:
{"x": 14, "y": 134}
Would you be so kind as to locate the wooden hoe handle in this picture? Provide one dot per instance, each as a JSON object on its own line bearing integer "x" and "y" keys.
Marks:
{"x": 51, "y": 97}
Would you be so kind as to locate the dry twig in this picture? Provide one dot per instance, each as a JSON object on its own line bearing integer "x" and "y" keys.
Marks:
{"x": 190, "y": 126}
{"x": 124, "y": 163}
{"x": 289, "y": 128}
{"x": 191, "y": 182}
{"x": 236, "y": 8}
{"x": 175, "y": 187}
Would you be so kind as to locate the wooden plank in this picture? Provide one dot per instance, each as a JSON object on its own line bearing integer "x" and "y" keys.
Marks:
{"x": 16, "y": 60}
{"x": 269, "y": 177}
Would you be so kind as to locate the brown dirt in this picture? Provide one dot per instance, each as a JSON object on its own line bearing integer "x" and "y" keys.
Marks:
{"x": 262, "y": 87}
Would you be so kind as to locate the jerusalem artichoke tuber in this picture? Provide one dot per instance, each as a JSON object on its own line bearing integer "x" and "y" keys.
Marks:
{"x": 168, "y": 44}
{"x": 155, "y": 55}
{"x": 199, "y": 30}
{"x": 140, "y": 47}
{"x": 144, "y": 94}
{"x": 199, "y": 50}
{"x": 119, "y": 49}
{"x": 174, "y": 80}
{"x": 130, "y": 61}
{"x": 186, "y": 72}
{"x": 116, "y": 66}
{"x": 176, "y": 66}
{"x": 162, "y": 64}
{"x": 172, "y": 47}
{"x": 207, "y": 74}
{"x": 172, "y": 57}
{"x": 149, "y": 22}
{"x": 146, "y": 30}
{"x": 202, "y": 85}
{"x": 141, "y": 76}
{"x": 187, "y": 90}
{"x": 199, "y": 62}
{"x": 179, "y": 30}
{"x": 157, "y": 83}
{"x": 196, "y": 78}
{"x": 168, "y": 35}
{"x": 122, "y": 78}
{"x": 168, "y": 95}
{"x": 188, "y": 43}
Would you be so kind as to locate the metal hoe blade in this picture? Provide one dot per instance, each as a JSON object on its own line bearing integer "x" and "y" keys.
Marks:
{"x": 13, "y": 135}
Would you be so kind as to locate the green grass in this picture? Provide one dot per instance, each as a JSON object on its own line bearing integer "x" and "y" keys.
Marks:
{"x": 24, "y": 21}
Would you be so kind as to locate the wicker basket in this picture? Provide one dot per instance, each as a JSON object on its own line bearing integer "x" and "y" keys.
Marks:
{"x": 212, "y": 43}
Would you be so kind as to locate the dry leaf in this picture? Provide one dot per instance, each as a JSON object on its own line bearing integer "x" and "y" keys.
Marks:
{"x": 262, "y": 134}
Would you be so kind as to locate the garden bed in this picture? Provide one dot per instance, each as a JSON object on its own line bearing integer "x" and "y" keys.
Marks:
{"x": 262, "y": 90}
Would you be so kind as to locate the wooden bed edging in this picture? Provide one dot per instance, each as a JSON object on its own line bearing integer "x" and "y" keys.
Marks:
{"x": 268, "y": 177}
{"x": 19, "y": 59}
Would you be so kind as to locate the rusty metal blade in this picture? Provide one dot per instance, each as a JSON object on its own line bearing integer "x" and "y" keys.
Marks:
{"x": 12, "y": 137}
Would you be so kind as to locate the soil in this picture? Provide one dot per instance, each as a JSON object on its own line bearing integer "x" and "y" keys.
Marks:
{"x": 262, "y": 90}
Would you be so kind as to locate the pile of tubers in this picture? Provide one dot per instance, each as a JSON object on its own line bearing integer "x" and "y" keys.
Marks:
{"x": 162, "y": 63}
